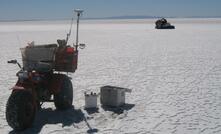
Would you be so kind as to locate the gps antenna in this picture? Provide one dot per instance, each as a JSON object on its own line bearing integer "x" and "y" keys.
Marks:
{"x": 79, "y": 13}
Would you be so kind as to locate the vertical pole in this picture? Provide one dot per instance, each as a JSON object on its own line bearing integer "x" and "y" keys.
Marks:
{"x": 79, "y": 12}
{"x": 68, "y": 34}
{"x": 78, "y": 16}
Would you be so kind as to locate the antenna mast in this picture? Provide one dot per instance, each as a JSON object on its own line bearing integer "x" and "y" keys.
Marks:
{"x": 68, "y": 34}
{"x": 79, "y": 13}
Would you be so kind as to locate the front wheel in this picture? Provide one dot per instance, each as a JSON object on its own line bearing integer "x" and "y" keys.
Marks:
{"x": 20, "y": 110}
{"x": 63, "y": 99}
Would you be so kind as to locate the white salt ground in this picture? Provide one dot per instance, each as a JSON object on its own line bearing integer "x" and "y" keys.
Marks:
{"x": 175, "y": 75}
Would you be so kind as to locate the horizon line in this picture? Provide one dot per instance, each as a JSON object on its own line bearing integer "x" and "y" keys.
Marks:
{"x": 110, "y": 18}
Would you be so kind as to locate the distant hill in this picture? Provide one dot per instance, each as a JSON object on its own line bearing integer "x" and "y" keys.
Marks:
{"x": 93, "y": 18}
{"x": 128, "y": 17}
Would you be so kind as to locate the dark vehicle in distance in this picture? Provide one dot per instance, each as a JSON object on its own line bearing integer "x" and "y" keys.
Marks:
{"x": 163, "y": 24}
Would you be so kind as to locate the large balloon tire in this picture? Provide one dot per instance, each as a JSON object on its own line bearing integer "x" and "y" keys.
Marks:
{"x": 20, "y": 110}
{"x": 63, "y": 99}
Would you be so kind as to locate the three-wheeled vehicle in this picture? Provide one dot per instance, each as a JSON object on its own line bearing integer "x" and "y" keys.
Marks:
{"x": 42, "y": 79}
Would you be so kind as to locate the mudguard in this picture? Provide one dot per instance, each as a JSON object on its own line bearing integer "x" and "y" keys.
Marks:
{"x": 27, "y": 87}
{"x": 22, "y": 86}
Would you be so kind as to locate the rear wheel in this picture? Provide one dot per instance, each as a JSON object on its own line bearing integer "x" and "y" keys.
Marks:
{"x": 20, "y": 110}
{"x": 63, "y": 99}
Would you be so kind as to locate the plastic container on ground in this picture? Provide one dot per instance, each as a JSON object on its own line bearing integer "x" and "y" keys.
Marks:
{"x": 113, "y": 96}
{"x": 90, "y": 100}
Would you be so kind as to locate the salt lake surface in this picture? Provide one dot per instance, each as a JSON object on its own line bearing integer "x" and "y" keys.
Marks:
{"x": 175, "y": 75}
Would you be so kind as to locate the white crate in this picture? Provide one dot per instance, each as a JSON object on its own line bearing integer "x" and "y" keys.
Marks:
{"x": 113, "y": 96}
{"x": 90, "y": 100}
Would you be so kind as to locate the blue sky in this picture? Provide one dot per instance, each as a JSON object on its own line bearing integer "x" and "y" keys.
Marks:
{"x": 58, "y": 9}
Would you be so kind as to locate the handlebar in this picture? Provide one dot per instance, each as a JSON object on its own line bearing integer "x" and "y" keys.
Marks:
{"x": 12, "y": 61}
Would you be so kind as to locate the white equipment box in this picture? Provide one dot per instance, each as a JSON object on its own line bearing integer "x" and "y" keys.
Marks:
{"x": 90, "y": 100}
{"x": 113, "y": 96}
